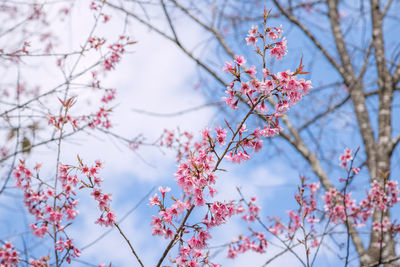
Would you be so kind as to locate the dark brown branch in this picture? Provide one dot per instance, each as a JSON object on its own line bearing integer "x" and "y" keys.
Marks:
{"x": 323, "y": 114}
{"x": 171, "y": 26}
{"x": 308, "y": 33}
{"x": 217, "y": 35}
{"x": 181, "y": 227}
{"x": 129, "y": 244}
{"x": 26, "y": 149}
{"x": 178, "y": 232}
{"x": 120, "y": 221}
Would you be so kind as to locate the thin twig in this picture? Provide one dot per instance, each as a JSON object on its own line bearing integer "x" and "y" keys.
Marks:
{"x": 129, "y": 244}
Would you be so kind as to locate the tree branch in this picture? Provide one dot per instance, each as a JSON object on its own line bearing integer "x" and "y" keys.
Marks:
{"x": 308, "y": 33}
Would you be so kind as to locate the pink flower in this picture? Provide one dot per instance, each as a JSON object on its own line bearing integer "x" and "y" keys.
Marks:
{"x": 221, "y": 135}
{"x": 314, "y": 243}
{"x": 110, "y": 218}
{"x": 252, "y": 71}
{"x": 154, "y": 200}
{"x": 279, "y": 50}
{"x": 238, "y": 157}
{"x": 282, "y": 107}
{"x": 345, "y": 157}
{"x": 71, "y": 214}
{"x": 252, "y": 36}
{"x": 253, "y": 30}
{"x": 272, "y": 35}
{"x": 55, "y": 217}
{"x": 251, "y": 39}
{"x": 164, "y": 190}
{"x": 228, "y": 67}
{"x": 240, "y": 60}
{"x": 169, "y": 233}
{"x": 39, "y": 232}
{"x": 199, "y": 201}
{"x": 157, "y": 230}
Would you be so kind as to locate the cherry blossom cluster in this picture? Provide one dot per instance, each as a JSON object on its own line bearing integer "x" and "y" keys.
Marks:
{"x": 109, "y": 95}
{"x": 108, "y": 57}
{"x": 93, "y": 182}
{"x": 163, "y": 225}
{"x": 309, "y": 204}
{"x": 383, "y": 197}
{"x": 180, "y": 142}
{"x": 191, "y": 257}
{"x": 251, "y": 213}
{"x": 53, "y": 206}
{"x": 98, "y": 7}
{"x": 196, "y": 175}
{"x": 101, "y": 117}
{"x": 277, "y": 49}
{"x": 256, "y": 242}
{"x": 345, "y": 158}
{"x": 41, "y": 203}
{"x": 193, "y": 253}
{"x": 335, "y": 203}
{"x": 251, "y": 140}
{"x": 304, "y": 217}
{"x": 237, "y": 153}
{"x": 341, "y": 208}
{"x": 96, "y": 42}
{"x": 41, "y": 262}
{"x": 284, "y": 86}
{"x": 278, "y": 227}
{"x": 98, "y": 119}
{"x": 59, "y": 121}
{"x": 116, "y": 50}
{"x": 219, "y": 212}
{"x": 35, "y": 16}
{"x": 385, "y": 226}
{"x": 67, "y": 245}
{"x": 307, "y": 208}
{"x": 8, "y": 255}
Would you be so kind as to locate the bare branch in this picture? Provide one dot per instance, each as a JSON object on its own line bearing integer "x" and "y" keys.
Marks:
{"x": 308, "y": 33}
{"x": 395, "y": 142}
{"x": 129, "y": 243}
{"x": 177, "y": 113}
